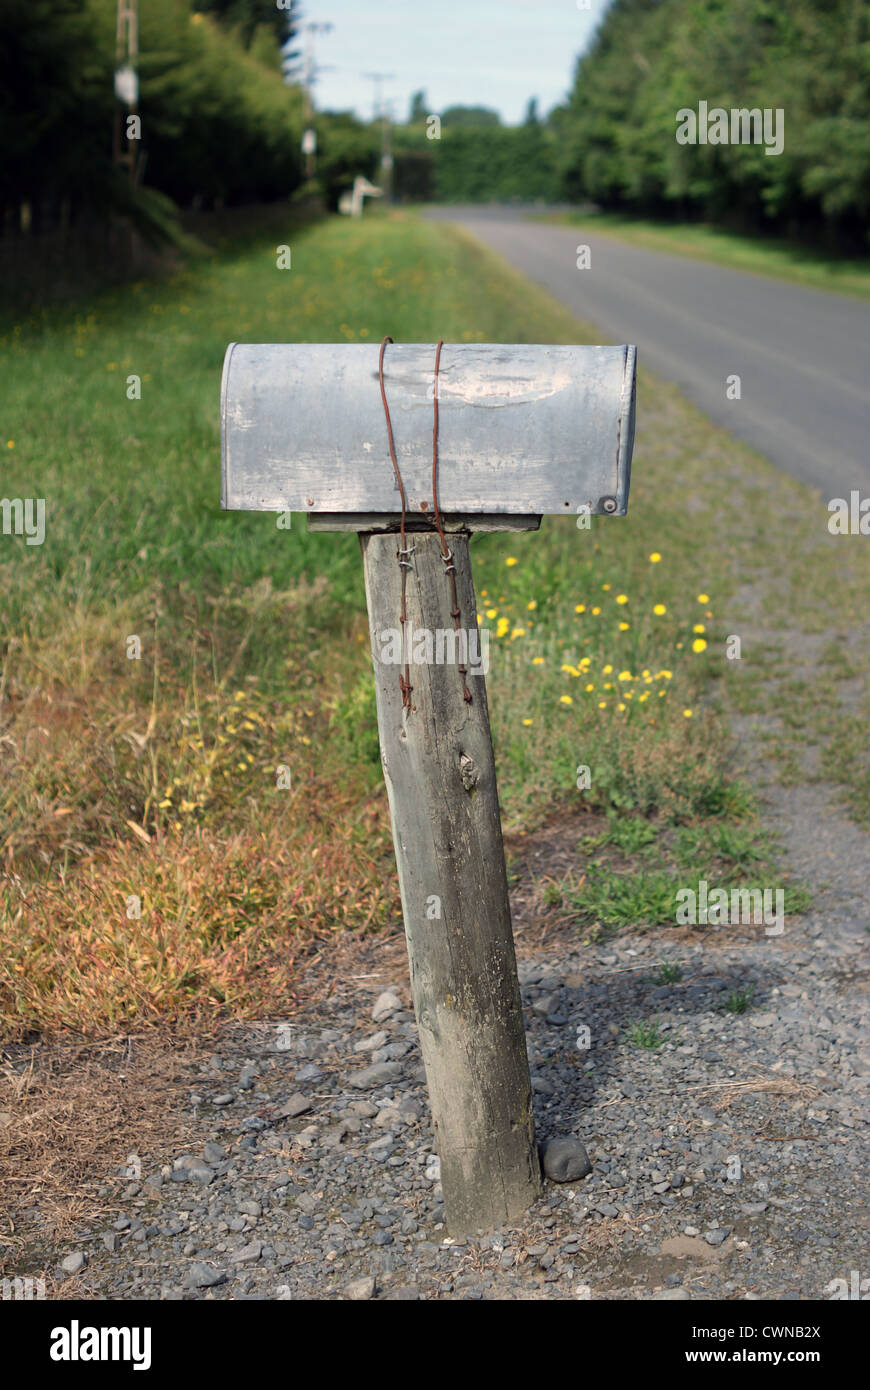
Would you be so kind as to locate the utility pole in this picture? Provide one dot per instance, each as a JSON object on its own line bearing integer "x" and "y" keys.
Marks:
{"x": 125, "y": 143}
{"x": 382, "y": 111}
{"x": 309, "y": 139}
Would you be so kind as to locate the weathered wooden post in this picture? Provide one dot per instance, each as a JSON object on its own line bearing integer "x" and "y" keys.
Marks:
{"x": 520, "y": 431}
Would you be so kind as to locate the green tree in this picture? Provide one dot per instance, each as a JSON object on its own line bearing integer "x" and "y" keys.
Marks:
{"x": 418, "y": 110}
{"x": 459, "y": 116}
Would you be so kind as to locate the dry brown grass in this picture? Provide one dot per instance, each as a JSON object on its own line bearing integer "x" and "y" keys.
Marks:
{"x": 70, "y": 1115}
{"x": 724, "y": 1093}
{"x": 224, "y": 920}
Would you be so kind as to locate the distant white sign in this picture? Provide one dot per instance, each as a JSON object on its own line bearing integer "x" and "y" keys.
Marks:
{"x": 309, "y": 142}
{"x": 126, "y": 86}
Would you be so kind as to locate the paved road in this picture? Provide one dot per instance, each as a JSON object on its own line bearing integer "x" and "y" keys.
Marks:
{"x": 801, "y": 354}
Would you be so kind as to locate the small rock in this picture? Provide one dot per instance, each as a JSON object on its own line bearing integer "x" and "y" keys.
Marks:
{"x": 433, "y": 1168}
{"x": 75, "y": 1262}
{"x": 542, "y": 1087}
{"x": 371, "y": 1044}
{"x": 201, "y": 1276}
{"x": 296, "y": 1105}
{"x": 544, "y": 1005}
{"x": 387, "y": 1117}
{"x": 376, "y": 1075}
{"x": 252, "y": 1251}
{"x": 225, "y": 1098}
{"x": 310, "y": 1072}
{"x": 716, "y": 1237}
{"x": 360, "y": 1289}
{"x": 385, "y": 1004}
{"x": 565, "y": 1160}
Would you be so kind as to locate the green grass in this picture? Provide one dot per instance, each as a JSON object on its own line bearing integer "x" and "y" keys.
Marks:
{"x": 628, "y": 833}
{"x": 739, "y": 1000}
{"x": 614, "y": 900}
{"x": 645, "y": 1035}
{"x": 669, "y": 974}
{"x": 785, "y": 260}
{"x": 737, "y": 846}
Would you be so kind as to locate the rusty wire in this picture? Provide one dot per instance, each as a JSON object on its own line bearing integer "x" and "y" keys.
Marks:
{"x": 404, "y": 553}
{"x": 446, "y": 554}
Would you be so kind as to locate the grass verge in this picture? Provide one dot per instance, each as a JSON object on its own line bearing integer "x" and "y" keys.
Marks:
{"x": 785, "y": 260}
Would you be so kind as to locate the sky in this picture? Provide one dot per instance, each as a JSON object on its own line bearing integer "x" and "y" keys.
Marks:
{"x": 494, "y": 53}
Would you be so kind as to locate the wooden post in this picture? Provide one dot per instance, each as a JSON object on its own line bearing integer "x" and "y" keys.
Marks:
{"x": 440, "y": 775}
{"x": 525, "y": 430}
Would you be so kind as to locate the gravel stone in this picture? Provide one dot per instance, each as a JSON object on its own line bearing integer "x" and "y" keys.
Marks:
{"x": 360, "y": 1289}
{"x": 377, "y": 1075}
{"x": 565, "y": 1160}
{"x": 296, "y": 1105}
{"x": 202, "y": 1276}
{"x": 385, "y": 1004}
